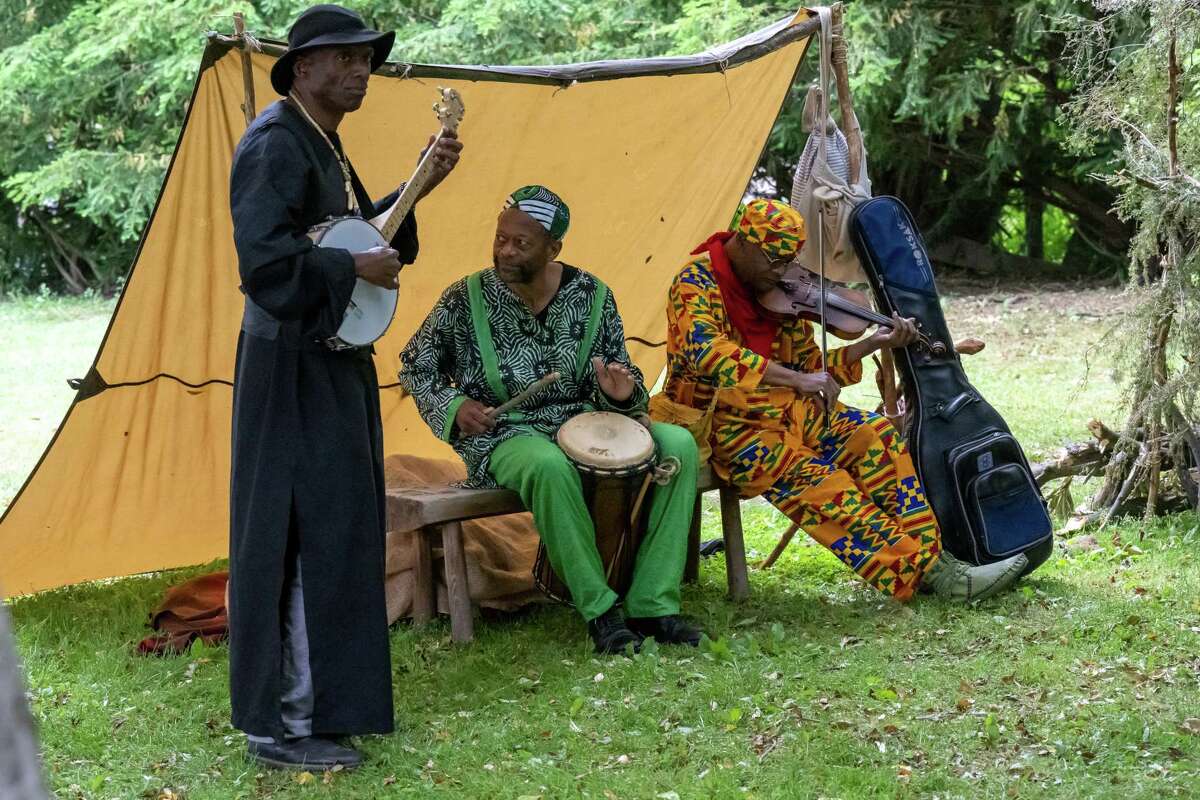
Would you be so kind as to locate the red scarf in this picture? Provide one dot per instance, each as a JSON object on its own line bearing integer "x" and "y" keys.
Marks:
{"x": 747, "y": 316}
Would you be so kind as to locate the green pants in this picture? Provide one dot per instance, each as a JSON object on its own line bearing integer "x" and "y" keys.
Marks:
{"x": 534, "y": 467}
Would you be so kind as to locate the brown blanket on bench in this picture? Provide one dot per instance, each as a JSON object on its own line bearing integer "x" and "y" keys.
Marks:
{"x": 499, "y": 550}
{"x": 499, "y": 553}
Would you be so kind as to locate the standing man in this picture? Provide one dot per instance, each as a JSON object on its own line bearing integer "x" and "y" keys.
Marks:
{"x": 309, "y": 656}
{"x": 496, "y": 332}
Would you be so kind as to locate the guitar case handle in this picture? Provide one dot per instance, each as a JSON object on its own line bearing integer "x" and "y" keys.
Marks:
{"x": 947, "y": 410}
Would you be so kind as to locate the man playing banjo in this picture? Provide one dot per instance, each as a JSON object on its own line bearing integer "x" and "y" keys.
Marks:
{"x": 494, "y": 334}
{"x": 309, "y": 658}
{"x": 764, "y": 390}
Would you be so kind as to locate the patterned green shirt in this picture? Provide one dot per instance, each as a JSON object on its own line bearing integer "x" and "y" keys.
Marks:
{"x": 442, "y": 364}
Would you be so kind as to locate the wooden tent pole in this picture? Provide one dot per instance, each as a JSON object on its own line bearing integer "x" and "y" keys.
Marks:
{"x": 849, "y": 123}
{"x": 239, "y": 27}
{"x": 855, "y": 142}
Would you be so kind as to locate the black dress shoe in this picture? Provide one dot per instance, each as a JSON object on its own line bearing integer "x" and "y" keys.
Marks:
{"x": 311, "y": 753}
{"x": 611, "y": 634}
{"x": 671, "y": 629}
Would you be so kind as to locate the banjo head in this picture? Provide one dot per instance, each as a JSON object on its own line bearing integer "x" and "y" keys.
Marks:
{"x": 606, "y": 442}
{"x": 371, "y": 307}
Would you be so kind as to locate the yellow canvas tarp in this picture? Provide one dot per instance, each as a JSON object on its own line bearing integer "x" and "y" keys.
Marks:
{"x": 652, "y": 157}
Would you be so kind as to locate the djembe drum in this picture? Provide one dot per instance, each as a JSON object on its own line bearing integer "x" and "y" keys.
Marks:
{"x": 617, "y": 461}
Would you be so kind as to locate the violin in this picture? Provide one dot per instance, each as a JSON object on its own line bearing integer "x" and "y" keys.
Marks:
{"x": 847, "y": 311}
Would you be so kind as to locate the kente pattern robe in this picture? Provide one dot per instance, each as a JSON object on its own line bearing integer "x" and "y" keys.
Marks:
{"x": 852, "y": 488}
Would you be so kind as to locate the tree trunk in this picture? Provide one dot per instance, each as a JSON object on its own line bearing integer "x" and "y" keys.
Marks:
{"x": 1165, "y": 436}
{"x": 20, "y": 771}
{"x": 968, "y": 254}
{"x": 1034, "y": 238}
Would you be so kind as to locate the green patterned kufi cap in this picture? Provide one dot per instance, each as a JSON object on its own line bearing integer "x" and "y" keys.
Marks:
{"x": 544, "y": 206}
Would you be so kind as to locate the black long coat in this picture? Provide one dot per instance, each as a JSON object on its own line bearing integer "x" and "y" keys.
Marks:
{"x": 307, "y": 441}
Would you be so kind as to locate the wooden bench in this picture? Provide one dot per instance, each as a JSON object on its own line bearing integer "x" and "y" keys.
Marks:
{"x": 435, "y": 516}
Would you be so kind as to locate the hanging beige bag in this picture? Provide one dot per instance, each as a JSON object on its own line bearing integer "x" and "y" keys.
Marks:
{"x": 823, "y": 191}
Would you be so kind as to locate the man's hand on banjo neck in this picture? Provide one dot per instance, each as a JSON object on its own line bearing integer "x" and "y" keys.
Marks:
{"x": 380, "y": 265}
{"x": 446, "y": 152}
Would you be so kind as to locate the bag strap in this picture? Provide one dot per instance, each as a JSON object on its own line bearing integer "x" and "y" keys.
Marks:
{"x": 483, "y": 336}
{"x": 593, "y": 326}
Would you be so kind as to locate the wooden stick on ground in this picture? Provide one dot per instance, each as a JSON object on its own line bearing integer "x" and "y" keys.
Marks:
{"x": 784, "y": 541}
{"x": 1105, "y": 435}
{"x": 1074, "y": 459}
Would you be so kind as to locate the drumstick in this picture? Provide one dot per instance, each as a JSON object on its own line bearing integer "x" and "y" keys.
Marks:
{"x": 537, "y": 386}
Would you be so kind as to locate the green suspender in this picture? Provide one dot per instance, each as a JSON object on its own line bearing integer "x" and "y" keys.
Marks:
{"x": 487, "y": 347}
{"x": 483, "y": 336}
{"x": 589, "y": 337}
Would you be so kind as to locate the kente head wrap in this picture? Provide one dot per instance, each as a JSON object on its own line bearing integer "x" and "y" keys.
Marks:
{"x": 774, "y": 226}
{"x": 547, "y": 208}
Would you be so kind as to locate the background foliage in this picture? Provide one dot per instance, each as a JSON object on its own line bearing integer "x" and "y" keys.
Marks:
{"x": 959, "y": 104}
{"x": 1127, "y": 91}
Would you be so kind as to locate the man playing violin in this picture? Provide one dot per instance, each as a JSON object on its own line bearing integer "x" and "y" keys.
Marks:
{"x": 767, "y": 395}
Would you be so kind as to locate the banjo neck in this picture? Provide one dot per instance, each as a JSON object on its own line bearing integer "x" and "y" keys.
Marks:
{"x": 450, "y": 112}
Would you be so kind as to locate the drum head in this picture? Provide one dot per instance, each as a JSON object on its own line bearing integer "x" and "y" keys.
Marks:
{"x": 606, "y": 441}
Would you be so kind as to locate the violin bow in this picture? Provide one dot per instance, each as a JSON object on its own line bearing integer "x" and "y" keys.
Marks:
{"x": 822, "y": 133}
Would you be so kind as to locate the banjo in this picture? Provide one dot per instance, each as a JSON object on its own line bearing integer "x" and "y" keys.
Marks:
{"x": 372, "y": 307}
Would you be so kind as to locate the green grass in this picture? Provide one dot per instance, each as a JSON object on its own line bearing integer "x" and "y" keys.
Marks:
{"x": 1074, "y": 686}
{"x": 48, "y": 340}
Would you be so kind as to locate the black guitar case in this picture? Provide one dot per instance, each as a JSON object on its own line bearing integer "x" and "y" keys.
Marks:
{"x": 974, "y": 473}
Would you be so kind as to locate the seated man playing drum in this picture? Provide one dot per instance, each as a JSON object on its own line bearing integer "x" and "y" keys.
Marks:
{"x": 496, "y": 333}
{"x": 753, "y": 389}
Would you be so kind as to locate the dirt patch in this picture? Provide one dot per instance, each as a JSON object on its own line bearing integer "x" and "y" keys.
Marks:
{"x": 1024, "y": 318}
{"x": 1076, "y": 299}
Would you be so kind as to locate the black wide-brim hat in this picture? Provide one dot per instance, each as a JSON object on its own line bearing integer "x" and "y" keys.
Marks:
{"x": 328, "y": 26}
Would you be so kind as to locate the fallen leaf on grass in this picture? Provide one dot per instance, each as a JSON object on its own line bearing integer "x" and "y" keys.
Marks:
{"x": 1084, "y": 543}
{"x": 1191, "y": 725}
{"x": 305, "y": 778}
